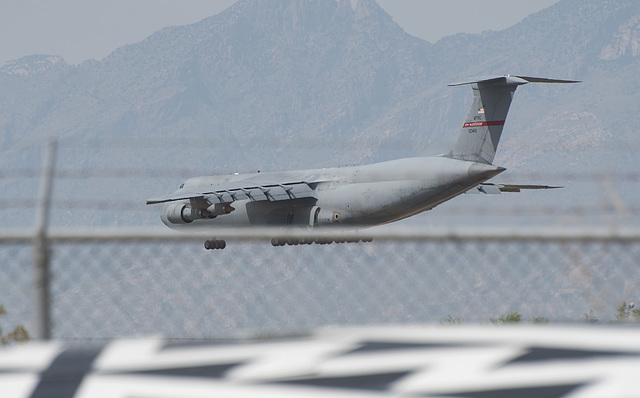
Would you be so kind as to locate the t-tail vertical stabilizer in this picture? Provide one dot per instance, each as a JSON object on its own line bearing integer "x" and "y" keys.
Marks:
{"x": 482, "y": 128}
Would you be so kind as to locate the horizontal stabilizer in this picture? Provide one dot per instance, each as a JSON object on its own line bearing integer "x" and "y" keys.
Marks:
{"x": 512, "y": 80}
{"x": 518, "y": 188}
{"x": 489, "y": 188}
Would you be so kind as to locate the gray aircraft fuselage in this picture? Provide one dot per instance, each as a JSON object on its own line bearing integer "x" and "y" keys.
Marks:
{"x": 361, "y": 195}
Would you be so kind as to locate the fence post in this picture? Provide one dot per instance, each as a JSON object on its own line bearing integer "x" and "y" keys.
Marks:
{"x": 41, "y": 247}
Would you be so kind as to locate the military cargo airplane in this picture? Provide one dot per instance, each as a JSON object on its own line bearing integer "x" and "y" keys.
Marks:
{"x": 359, "y": 196}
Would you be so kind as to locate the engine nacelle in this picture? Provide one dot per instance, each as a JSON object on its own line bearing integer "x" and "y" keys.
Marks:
{"x": 177, "y": 213}
{"x": 180, "y": 213}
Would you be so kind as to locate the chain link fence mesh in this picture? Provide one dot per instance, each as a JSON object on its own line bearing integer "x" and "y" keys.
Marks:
{"x": 176, "y": 289}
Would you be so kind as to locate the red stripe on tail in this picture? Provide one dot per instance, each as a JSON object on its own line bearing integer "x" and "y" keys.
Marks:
{"x": 481, "y": 124}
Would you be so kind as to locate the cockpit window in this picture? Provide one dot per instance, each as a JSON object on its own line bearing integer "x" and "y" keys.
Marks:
{"x": 181, "y": 186}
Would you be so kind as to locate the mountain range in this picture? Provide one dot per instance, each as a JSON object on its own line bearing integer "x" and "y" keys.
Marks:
{"x": 279, "y": 84}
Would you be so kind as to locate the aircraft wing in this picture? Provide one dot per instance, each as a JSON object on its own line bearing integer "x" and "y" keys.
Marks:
{"x": 233, "y": 192}
{"x": 490, "y": 188}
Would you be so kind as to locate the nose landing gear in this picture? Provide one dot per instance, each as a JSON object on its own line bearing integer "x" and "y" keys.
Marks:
{"x": 215, "y": 244}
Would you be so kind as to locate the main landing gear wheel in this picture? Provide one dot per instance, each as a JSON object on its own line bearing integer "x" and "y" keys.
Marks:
{"x": 215, "y": 244}
{"x": 320, "y": 241}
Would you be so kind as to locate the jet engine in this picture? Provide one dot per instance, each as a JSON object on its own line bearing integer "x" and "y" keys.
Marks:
{"x": 177, "y": 213}
{"x": 180, "y": 213}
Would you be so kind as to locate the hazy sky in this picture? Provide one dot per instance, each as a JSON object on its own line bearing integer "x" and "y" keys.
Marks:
{"x": 83, "y": 29}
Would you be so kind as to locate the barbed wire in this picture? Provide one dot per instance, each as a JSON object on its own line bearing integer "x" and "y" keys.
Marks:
{"x": 90, "y": 204}
{"x": 387, "y": 233}
{"x": 350, "y": 139}
{"x": 117, "y": 173}
{"x": 132, "y": 173}
{"x": 449, "y": 209}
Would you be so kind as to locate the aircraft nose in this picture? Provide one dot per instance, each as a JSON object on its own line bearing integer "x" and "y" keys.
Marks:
{"x": 482, "y": 171}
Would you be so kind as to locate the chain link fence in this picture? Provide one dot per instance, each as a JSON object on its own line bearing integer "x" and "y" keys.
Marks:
{"x": 121, "y": 285}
